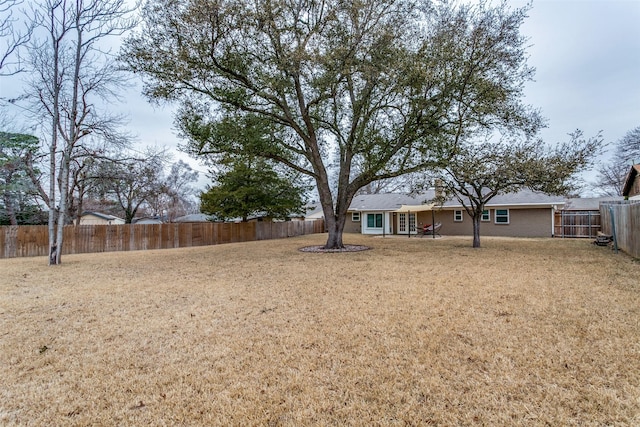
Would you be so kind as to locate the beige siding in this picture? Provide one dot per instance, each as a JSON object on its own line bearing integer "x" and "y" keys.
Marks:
{"x": 522, "y": 223}
{"x": 92, "y": 220}
{"x": 352, "y": 227}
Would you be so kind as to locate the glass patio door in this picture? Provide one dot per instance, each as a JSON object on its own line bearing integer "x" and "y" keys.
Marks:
{"x": 403, "y": 224}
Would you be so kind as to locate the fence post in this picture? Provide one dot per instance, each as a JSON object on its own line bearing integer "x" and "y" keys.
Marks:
{"x": 613, "y": 230}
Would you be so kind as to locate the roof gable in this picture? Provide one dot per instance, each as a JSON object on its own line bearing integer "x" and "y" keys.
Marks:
{"x": 631, "y": 177}
{"x": 105, "y": 217}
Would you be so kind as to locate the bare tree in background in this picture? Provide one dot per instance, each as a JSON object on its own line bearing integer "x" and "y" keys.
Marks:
{"x": 174, "y": 194}
{"x": 12, "y": 38}
{"x": 72, "y": 72}
{"x": 612, "y": 174}
{"x": 130, "y": 181}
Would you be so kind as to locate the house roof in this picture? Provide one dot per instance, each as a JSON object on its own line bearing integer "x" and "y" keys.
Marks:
{"x": 146, "y": 220}
{"x": 106, "y": 217}
{"x": 631, "y": 176}
{"x": 392, "y": 202}
{"x": 588, "y": 203}
{"x": 388, "y": 201}
{"x": 313, "y": 210}
{"x": 523, "y": 198}
{"x": 200, "y": 217}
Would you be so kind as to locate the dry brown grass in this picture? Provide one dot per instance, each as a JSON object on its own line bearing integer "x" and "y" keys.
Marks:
{"x": 413, "y": 332}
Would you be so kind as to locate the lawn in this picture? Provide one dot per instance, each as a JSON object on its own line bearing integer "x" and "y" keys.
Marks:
{"x": 413, "y": 332}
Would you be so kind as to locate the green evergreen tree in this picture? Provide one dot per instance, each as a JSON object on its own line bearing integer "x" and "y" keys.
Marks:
{"x": 252, "y": 186}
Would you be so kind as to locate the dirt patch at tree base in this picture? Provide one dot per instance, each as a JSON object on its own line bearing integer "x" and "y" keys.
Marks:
{"x": 346, "y": 248}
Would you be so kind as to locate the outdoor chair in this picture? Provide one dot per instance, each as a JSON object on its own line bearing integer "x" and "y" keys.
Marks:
{"x": 431, "y": 229}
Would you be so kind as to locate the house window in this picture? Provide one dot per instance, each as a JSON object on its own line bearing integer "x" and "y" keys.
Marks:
{"x": 457, "y": 216}
{"x": 486, "y": 216}
{"x": 355, "y": 216}
{"x": 502, "y": 216}
{"x": 374, "y": 220}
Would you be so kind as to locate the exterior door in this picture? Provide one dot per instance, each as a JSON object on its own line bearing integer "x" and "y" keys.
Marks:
{"x": 406, "y": 221}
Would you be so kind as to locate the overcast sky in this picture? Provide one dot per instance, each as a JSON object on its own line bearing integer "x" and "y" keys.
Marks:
{"x": 587, "y": 59}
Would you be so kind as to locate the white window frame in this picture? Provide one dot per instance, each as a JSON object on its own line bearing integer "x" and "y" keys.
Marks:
{"x": 458, "y": 215}
{"x": 496, "y": 215}
{"x": 375, "y": 218}
{"x": 355, "y": 216}
{"x": 485, "y": 217}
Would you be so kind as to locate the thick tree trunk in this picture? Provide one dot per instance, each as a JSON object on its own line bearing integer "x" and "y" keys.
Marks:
{"x": 476, "y": 230}
{"x": 53, "y": 244}
{"x": 129, "y": 214}
{"x": 335, "y": 219}
{"x": 62, "y": 209}
{"x": 335, "y": 228}
{"x": 11, "y": 212}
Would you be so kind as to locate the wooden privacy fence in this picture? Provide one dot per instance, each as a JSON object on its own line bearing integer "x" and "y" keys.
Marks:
{"x": 32, "y": 240}
{"x": 577, "y": 223}
{"x": 625, "y": 217}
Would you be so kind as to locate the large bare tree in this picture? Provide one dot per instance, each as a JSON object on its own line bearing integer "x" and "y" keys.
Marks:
{"x": 372, "y": 89}
{"x": 12, "y": 37}
{"x": 74, "y": 73}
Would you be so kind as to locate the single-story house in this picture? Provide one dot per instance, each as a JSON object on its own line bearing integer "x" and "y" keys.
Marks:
{"x": 313, "y": 211}
{"x": 97, "y": 218}
{"x": 522, "y": 214}
{"x": 631, "y": 188}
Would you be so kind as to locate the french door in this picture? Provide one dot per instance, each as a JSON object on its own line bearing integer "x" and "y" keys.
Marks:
{"x": 406, "y": 221}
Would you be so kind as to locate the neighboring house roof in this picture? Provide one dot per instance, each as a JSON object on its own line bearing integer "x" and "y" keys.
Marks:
{"x": 103, "y": 216}
{"x": 631, "y": 177}
{"x": 146, "y": 220}
{"x": 588, "y": 203}
{"x": 314, "y": 211}
{"x": 391, "y": 202}
{"x": 200, "y": 217}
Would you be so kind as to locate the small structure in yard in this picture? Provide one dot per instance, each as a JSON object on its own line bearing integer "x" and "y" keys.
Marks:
{"x": 97, "y": 218}
{"x": 602, "y": 240}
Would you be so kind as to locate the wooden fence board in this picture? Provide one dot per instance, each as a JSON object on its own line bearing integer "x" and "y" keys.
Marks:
{"x": 626, "y": 217}
{"x": 3, "y": 251}
{"x": 26, "y": 241}
{"x": 10, "y": 244}
{"x": 577, "y": 224}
